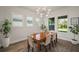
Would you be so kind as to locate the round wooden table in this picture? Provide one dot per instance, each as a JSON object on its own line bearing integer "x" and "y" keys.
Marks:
{"x": 38, "y": 40}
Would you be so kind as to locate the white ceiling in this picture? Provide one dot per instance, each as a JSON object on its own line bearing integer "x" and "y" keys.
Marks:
{"x": 50, "y": 7}
{"x": 33, "y": 8}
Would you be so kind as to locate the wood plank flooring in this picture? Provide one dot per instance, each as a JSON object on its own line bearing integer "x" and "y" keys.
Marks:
{"x": 61, "y": 46}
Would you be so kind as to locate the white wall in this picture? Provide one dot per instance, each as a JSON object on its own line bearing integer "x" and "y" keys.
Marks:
{"x": 71, "y": 12}
{"x": 19, "y": 33}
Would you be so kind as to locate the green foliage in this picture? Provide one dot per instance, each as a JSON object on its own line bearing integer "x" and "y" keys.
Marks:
{"x": 43, "y": 26}
{"x": 6, "y": 27}
{"x": 62, "y": 25}
{"x": 74, "y": 29}
{"x": 50, "y": 22}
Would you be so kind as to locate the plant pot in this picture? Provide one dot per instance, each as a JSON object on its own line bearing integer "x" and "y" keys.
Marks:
{"x": 74, "y": 42}
{"x": 5, "y": 42}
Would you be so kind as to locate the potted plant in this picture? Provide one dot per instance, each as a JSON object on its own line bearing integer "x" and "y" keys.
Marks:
{"x": 6, "y": 28}
{"x": 43, "y": 28}
{"x": 74, "y": 29}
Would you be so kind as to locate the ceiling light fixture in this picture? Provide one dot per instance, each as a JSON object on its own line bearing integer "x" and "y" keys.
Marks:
{"x": 43, "y": 12}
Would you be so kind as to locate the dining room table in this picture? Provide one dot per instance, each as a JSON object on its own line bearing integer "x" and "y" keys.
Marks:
{"x": 38, "y": 40}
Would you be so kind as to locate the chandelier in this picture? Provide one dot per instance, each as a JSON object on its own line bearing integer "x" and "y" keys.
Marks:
{"x": 43, "y": 11}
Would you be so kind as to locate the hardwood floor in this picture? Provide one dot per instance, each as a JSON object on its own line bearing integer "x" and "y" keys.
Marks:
{"x": 61, "y": 46}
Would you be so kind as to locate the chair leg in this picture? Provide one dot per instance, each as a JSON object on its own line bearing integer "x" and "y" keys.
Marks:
{"x": 45, "y": 48}
{"x": 56, "y": 38}
{"x": 49, "y": 46}
{"x": 32, "y": 49}
{"x": 28, "y": 48}
{"x": 52, "y": 43}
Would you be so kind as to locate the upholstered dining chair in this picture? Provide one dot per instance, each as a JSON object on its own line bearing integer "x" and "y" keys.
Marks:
{"x": 47, "y": 43}
{"x": 54, "y": 39}
{"x": 30, "y": 43}
{"x": 34, "y": 35}
{"x": 42, "y": 35}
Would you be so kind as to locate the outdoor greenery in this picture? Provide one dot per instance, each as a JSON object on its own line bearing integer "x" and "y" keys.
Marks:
{"x": 62, "y": 25}
{"x": 6, "y": 27}
{"x": 51, "y": 23}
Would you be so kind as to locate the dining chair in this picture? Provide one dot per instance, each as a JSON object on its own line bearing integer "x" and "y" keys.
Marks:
{"x": 41, "y": 35}
{"x": 54, "y": 39}
{"x": 47, "y": 43}
{"x": 30, "y": 43}
{"x": 34, "y": 35}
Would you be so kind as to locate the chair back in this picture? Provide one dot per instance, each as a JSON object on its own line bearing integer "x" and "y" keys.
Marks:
{"x": 54, "y": 36}
{"x": 34, "y": 35}
{"x": 42, "y": 35}
{"x": 48, "y": 40}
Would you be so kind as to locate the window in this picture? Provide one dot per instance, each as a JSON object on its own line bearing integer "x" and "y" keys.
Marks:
{"x": 51, "y": 23}
{"x": 74, "y": 20}
{"x": 62, "y": 23}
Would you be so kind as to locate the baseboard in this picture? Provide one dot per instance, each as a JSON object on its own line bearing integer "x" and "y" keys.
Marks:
{"x": 17, "y": 41}
{"x": 70, "y": 40}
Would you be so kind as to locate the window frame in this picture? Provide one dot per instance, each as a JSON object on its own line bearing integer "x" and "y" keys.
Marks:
{"x": 62, "y": 17}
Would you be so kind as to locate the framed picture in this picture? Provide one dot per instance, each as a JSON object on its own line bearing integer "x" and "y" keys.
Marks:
{"x": 29, "y": 21}
{"x": 17, "y": 20}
